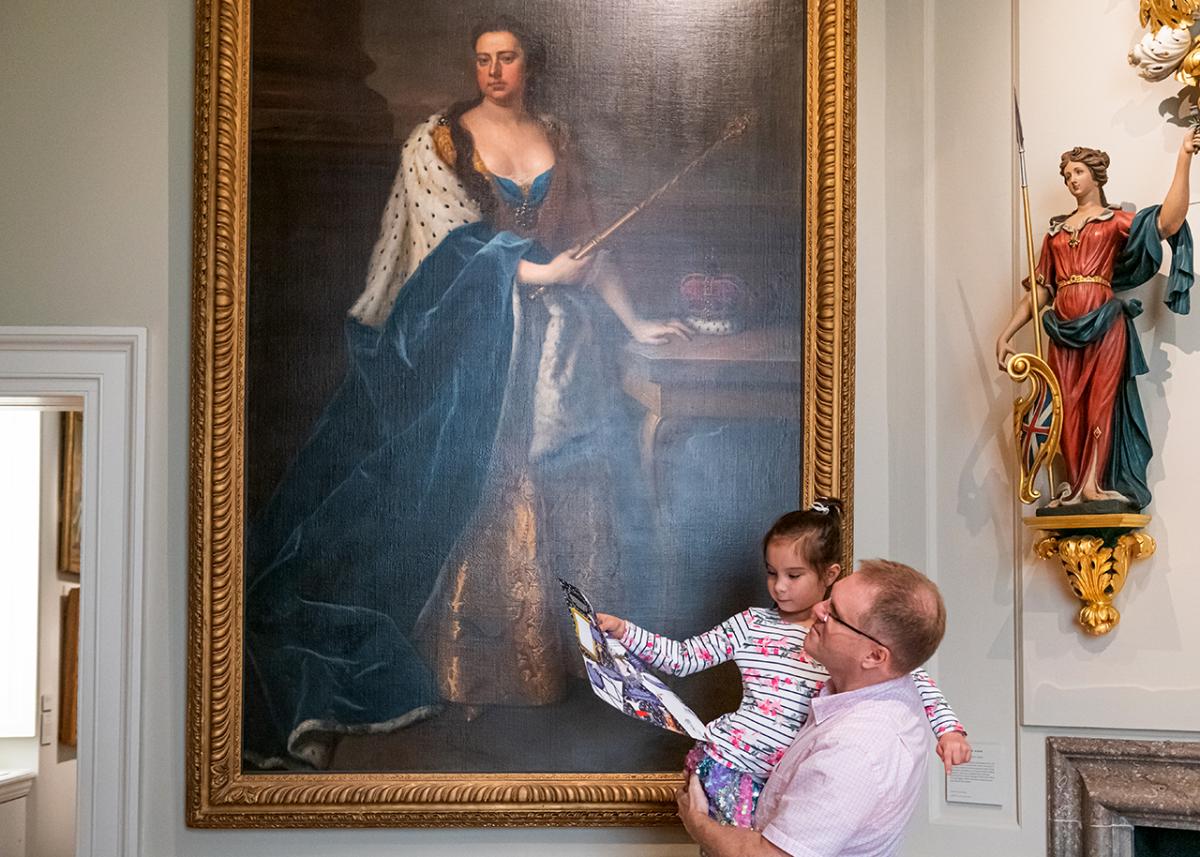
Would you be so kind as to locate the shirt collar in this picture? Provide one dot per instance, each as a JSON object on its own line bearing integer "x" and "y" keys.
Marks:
{"x": 828, "y": 704}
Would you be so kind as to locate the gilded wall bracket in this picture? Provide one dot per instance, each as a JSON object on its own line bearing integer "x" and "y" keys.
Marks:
{"x": 1095, "y": 552}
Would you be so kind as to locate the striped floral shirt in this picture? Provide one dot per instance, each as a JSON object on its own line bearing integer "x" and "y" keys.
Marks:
{"x": 778, "y": 680}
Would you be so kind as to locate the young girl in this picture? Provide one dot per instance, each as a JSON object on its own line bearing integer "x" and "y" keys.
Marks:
{"x": 801, "y": 551}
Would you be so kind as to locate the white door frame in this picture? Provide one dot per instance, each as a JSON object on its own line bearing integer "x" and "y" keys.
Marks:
{"x": 106, "y": 367}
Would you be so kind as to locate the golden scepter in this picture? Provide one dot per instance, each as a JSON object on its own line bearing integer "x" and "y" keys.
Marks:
{"x": 1037, "y": 417}
{"x": 735, "y": 128}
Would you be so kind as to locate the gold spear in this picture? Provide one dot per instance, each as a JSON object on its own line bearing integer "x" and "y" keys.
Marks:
{"x": 1033, "y": 368}
{"x": 1037, "y": 318}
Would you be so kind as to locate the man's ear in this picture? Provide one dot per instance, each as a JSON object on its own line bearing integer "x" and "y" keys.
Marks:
{"x": 878, "y": 658}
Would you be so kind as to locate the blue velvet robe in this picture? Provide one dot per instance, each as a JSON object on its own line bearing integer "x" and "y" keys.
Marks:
{"x": 344, "y": 556}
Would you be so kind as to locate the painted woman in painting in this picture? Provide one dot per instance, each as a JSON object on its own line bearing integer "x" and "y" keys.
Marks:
{"x": 408, "y": 557}
{"x": 1086, "y": 256}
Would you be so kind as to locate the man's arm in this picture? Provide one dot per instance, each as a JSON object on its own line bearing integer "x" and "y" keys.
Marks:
{"x": 718, "y": 840}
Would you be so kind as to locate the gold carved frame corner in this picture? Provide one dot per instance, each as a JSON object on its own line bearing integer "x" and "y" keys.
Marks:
{"x": 218, "y": 793}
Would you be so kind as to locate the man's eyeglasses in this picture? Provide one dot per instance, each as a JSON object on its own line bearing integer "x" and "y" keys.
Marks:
{"x": 832, "y": 613}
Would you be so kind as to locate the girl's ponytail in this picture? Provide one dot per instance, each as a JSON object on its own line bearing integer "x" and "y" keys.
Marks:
{"x": 819, "y": 527}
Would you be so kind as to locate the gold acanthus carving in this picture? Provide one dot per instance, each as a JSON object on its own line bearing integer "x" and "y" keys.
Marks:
{"x": 1096, "y": 571}
{"x": 430, "y": 817}
{"x": 1176, "y": 14}
{"x": 219, "y": 794}
{"x": 446, "y": 790}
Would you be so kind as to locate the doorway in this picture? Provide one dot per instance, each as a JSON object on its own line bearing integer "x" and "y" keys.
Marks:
{"x": 102, "y": 370}
{"x": 41, "y": 459}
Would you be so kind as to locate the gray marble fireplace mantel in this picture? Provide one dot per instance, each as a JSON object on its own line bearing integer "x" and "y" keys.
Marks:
{"x": 1098, "y": 790}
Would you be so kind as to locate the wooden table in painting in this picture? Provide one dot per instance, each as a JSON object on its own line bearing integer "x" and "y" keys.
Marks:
{"x": 752, "y": 375}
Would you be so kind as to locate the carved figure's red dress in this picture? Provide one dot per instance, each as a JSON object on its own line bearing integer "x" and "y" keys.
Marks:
{"x": 1077, "y": 268}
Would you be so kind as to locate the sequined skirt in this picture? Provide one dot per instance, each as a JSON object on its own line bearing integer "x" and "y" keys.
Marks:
{"x": 732, "y": 795}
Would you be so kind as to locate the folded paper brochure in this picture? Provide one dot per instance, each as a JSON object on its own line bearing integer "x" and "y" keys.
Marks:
{"x": 621, "y": 679}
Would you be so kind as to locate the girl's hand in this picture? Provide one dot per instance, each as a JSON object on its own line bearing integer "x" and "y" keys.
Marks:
{"x": 658, "y": 332}
{"x": 561, "y": 270}
{"x": 953, "y": 749}
{"x": 614, "y": 626}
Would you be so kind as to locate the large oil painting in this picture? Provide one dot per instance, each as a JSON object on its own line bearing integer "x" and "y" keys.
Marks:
{"x": 489, "y": 295}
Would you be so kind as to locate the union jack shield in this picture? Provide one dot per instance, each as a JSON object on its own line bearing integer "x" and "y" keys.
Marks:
{"x": 1037, "y": 420}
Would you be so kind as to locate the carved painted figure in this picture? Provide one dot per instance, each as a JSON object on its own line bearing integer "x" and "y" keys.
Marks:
{"x": 1087, "y": 256}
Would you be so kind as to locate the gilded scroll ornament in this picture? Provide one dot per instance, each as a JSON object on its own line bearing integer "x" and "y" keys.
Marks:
{"x": 1171, "y": 48}
{"x": 1159, "y": 53}
{"x": 1037, "y": 420}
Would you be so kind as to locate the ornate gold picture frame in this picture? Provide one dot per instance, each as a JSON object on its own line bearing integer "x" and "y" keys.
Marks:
{"x": 70, "y": 491}
{"x": 68, "y": 670}
{"x": 220, "y": 792}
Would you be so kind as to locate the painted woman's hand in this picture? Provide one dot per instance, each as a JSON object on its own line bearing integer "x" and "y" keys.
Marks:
{"x": 1004, "y": 351}
{"x": 658, "y": 332}
{"x": 614, "y": 626}
{"x": 1191, "y": 142}
{"x": 953, "y": 749}
{"x": 563, "y": 270}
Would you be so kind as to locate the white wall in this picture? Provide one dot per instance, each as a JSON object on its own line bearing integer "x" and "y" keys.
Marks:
{"x": 871, "y": 450}
{"x": 1013, "y": 654}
